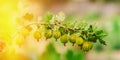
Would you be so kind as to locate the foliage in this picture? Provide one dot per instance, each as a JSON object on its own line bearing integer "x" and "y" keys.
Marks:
{"x": 115, "y": 33}
{"x": 50, "y": 53}
{"x": 80, "y": 33}
{"x": 70, "y": 55}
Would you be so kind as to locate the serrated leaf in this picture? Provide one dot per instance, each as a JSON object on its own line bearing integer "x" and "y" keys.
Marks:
{"x": 48, "y": 16}
{"x": 83, "y": 25}
{"x": 90, "y": 29}
{"x": 102, "y": 41}
{"x": 100, "y": 34}
{"x": 95, "y": 27}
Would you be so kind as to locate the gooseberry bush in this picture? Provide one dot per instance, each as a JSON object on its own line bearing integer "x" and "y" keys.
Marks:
{"x": 80, "y": 33}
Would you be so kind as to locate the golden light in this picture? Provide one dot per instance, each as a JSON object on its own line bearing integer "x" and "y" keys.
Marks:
{"x": 8, "y": 8}
{"x": 8, "y": 13}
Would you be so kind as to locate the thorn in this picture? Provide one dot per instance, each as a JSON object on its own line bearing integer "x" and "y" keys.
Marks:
{"x": 80, "y": 47}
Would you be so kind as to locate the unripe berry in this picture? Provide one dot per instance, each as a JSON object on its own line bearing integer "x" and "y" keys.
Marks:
{"x": 87, "y": 46}
{"x": 29, "y": 28}
{"x": 73, "y": 38}
{"x": 48, "y": 34}
{"x": 19, "y": 40}
{"x": 37, "y": 35}
{"x": 79, "y": 40}
{"x": 57, "y": 34}
{"x": 24, "y": 32}
{"x": 64, "y": 39}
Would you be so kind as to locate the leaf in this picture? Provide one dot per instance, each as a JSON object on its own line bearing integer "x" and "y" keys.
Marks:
{"x": 83, "y": 25}
{"x": 53, "y": 20}
{"x": 50, "y": 53}
{"x": 63, "y": 30}
{"x": 68, "y": 24}
{"x": 60, "y": 17}
{"x": 92, "y": 38}
{"x": 48, "y": 16}
{"x": 90, "y": 28}
{"x": 71, "y": 31}
{"x": 71, "y": 55}
{"x": 100, "y": 34}
{"x": 94, "y": 27}
{"x": 102, "y": 41}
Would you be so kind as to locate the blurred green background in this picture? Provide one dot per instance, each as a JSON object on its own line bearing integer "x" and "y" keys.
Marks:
{"x": 104, "y": 12}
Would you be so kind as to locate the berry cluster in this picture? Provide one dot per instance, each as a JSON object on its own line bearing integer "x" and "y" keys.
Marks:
{"x": 55, "y": 26}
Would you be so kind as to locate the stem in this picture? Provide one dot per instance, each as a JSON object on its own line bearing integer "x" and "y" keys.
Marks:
{"x": 46, "y": 39}
{"x": 34, "y": 23}
{"x": 52, "y": 24}
{"x": 37, "y": 40}
{"x": 64, "y": 44}
{"x": 55, "y": 39}
{"x": 73, "y": 44}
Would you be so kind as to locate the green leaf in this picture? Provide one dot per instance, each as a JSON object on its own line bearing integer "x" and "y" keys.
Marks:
{"x": 90, "y": 28}
{"x": 102, "y": 41}
{"x": 100, "y": 34}
{"x": 48, "y": 16}
{"x": 71, "y": 31}
{"x": 95, "y": 27}
{"x": 63, "y": 30}
{"x": 60, "y": 17}
{"x": 71, "y": 55}
{"x": 83, "y": 25}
